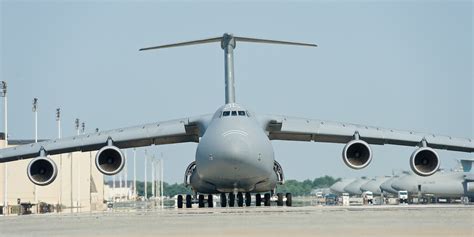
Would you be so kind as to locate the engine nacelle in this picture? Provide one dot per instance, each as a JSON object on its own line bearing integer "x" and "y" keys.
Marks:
{"x": 424, "y": 161}
{"x": 357, "y": 154}
{"x": 42, "y": 171}
{"x": 109, "y": 160}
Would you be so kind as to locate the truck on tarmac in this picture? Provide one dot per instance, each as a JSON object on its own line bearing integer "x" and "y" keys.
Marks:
{"x": 403, "y": 196}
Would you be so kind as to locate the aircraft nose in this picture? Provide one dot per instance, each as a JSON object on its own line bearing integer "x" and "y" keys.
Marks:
{"x": 398, "y": 185}
{"x": 234, "y": 148}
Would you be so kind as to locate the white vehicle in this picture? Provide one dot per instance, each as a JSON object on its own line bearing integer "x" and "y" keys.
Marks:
{"x": 368, "y": 197}
{"x": 403, "y": 196}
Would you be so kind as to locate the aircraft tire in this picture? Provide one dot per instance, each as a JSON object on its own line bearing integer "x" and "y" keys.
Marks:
{"x": 231, "y": 199}
{"x": 258, "y": 199}
{"x": 267, "y": 199}
{"x": 248, "y": 199}
{"x": 223, "y": 200}
{"x": 180, "y": 201}
{"x": 240, "y": 199}
{"x": 201, "y": 201}
{"x": 210, "y": 202}
{"x": 289, "y": 200}
{"x": 188, "y": 201}
{"x": 280, "y": 199}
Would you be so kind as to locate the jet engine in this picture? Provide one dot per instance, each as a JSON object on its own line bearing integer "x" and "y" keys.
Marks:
{"x": 424, "y": 161}
{"x": 42, "y": 171}
{"x": 109, "y": 160}
{"x": 357, "y": 154}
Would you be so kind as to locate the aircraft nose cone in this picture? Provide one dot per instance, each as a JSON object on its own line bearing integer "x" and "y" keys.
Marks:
{"x": 235, "y": 148}
{"x": 398, "y": 185}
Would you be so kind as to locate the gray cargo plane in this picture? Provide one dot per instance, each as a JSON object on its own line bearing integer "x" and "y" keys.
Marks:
{"x": 338, "y": 187}
{"x": 446, "y": 184}
{"x": 374, "y": 185}
{"x": 235, "y": 154}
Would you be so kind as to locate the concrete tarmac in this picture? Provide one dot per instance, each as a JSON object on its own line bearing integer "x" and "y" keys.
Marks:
{"x": 413, "y": 220}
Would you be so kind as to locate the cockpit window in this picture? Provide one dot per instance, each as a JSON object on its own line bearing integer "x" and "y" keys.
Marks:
{"x": 241, "y": 113}
{"x": 234, "y": 113}
{"x": 226, "y": 113}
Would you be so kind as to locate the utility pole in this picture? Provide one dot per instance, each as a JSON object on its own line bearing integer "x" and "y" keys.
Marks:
{"x": 134, "y": 172}
{"x": 5, "y": 166}
{"x": 58, "y": 120}
{"x": 77, "y": 123}
{"x": 153, "y": 194}
{"x": 146, "y": 188}
{"x": 35, "y": 111}
{"x": 161, "y": 182}
{"x": 126, "y": 174}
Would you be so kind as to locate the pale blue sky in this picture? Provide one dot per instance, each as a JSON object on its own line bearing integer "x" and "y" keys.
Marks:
{"x": 396, "y": 64}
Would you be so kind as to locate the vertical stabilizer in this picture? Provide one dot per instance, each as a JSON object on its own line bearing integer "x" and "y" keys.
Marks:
{"x": 228, "y": 43}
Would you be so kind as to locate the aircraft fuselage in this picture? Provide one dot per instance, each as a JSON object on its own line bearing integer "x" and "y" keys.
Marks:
{"x": 234, "y": 155}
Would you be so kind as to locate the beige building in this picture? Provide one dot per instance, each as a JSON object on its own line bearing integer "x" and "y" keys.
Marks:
{"x": 79, "y": 186}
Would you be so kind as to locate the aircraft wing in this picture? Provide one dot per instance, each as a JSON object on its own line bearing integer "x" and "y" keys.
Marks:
{"x": 168, "y": 132}
{"x": 301, "y": 129}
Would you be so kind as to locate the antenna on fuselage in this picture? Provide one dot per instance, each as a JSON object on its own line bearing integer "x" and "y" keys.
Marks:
{"x": 228, "y": 43}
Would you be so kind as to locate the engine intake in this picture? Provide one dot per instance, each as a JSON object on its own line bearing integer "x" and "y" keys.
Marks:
{"x": 42, "y": 171}
{"x": 357, "y": 154}
{"x": 424, "y": 161}
{"x": 109, "y": 160}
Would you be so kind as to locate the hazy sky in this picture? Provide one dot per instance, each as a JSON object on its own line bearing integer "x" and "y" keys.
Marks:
{"x": 396, "y": 64}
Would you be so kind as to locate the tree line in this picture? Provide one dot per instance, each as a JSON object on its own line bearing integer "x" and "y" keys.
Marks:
{"x": 297, "y": 188}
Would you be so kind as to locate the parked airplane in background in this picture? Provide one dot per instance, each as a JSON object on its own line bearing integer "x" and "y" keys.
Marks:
{"x": 374, "y": 185}
{"x": 354, "y": 187}
{"x": 234, "y": 156}
{"x": 338, "y": 187}
{"x": 446, "y": 184}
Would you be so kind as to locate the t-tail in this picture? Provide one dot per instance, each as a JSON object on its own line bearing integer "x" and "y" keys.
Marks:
{"x": 228, "y": 43}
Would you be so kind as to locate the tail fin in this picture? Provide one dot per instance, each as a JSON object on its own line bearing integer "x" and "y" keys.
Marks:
{"x": 228, "y": 36}
{"x": 228, "y": 43}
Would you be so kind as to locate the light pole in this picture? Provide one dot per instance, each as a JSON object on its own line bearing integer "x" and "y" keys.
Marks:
{"x": 5, "y": 120}
{"x": 35, "y": 111}
{"x": 146, "y": 186}
{"x": 134, "y": 172}
{"x": 126, "y": 175}
{"x": 153, "y": 194}
{"x": 161, "y": 182}
{"x": 77, "y": 124}
{"x": 58, "y": 120}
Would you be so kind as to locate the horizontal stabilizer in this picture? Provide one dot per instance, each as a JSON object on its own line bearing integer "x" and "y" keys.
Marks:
{"x": 229, "y": 37}
{"x": 266, "y": 41}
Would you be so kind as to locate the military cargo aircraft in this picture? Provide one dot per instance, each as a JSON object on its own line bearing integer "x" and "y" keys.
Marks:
{"x": 234, "y": 156}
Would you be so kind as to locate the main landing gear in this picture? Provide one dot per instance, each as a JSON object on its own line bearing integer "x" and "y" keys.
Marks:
{"x": 232, "y": 199}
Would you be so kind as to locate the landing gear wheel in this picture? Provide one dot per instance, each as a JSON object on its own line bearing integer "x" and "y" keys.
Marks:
{"x": 267, "y": 199}
{"x": 231, "y": 199}
{"x": 240, "y": 199}
{"x": 289, "y": 200}
{"x": 201, "y": 201}
{"x": 258, "y": 199}
{"x": 210, "y": 202}
{"x": 280, "y": 199}
{"x": 180, "y": 201}
{"x": 248, "y": 199}
{"x": 188, "y": 201}
{"x": 223, "y": 200}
